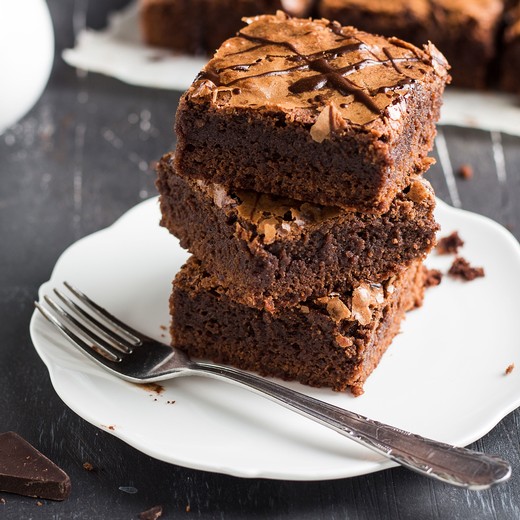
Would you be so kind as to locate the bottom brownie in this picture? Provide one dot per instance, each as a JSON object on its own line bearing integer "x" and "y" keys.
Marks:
{"x": 334, "y": 341}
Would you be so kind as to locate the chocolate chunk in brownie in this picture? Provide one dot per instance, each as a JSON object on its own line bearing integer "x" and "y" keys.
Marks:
{"x": 334, "y": 341}
{"x": 462, "y": 269}
{"x": 200, "y": 26}
{"x": 272, "y": 251}
{"x": 449, "y": 244}
{"x": 314, "y": 111}
{"x": 510, "y": 72}
{"x": 464, "y": 31}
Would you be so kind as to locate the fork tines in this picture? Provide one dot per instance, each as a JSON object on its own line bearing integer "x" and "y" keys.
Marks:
{"x": 88, "y": 326}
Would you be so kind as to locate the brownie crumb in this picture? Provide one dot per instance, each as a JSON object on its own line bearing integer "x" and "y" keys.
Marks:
{"x": 151, "y": 387}
{"x": 39, "y": 504}
{"x": 188, "y": 508}
{"x": 433, "y": 278}
{"x": 151, "y": 514}
{"x": 2, "y": 501}
{"x": 449, "y": 245}
{"x": 509, "y": 369}
{"x": 466, "y": 171}
{"x": 88, "y": 466}
{"x": 461, "y": 268}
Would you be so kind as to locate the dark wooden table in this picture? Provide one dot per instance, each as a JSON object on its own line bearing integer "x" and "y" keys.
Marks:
{"x": 75, "y": 163}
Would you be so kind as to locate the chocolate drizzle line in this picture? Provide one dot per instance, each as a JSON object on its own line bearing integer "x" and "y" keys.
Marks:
{"x": 388, "y": 54}
{"x": 318, "y": 62}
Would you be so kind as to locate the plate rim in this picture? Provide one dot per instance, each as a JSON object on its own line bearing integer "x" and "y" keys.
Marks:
{"x": 371, "y": 466}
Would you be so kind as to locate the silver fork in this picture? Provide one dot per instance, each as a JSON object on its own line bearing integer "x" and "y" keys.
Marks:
{"x": 132, "y": 356}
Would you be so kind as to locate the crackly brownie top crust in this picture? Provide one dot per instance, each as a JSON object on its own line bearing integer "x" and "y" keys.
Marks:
{"x": 306, "y": 67}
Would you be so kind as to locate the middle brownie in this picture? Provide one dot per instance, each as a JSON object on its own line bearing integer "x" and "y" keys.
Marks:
{"x": 274, "y": 252}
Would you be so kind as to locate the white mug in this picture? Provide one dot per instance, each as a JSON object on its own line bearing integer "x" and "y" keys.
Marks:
{"x": 26, "y": 56}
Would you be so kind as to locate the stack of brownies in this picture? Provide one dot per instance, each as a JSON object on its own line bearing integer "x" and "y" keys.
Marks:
{"x": 297, "y": 185}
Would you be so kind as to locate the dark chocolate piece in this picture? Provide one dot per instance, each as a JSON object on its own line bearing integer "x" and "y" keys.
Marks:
{"x": 313, "y": 111}
{"x": 26, "y": 471}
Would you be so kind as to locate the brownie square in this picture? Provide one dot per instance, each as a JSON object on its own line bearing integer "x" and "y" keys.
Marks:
{"x": 200, "y": 26}
{"x": 510, "y": 73}
{"x": 465, "y": 32}
{"x": 313, "y": 111}
{"x": 273, "y": 252}
{"x": 335, "y": 341}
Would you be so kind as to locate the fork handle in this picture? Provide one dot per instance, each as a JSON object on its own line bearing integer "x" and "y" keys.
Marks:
{"x": 444, "y": 462}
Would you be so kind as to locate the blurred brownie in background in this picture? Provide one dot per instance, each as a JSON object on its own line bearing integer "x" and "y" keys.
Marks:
{"x": 200, "y": 26}
{"x": 511, "y": 51}
{"x": 464, "y": 31}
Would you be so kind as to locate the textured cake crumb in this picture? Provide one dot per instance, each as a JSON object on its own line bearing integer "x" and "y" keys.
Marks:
{"x": 466, "y": 171}
{"x": 88, "y": 466}
{"x": 433, "y": 278}
{"x": 450, "y": 244}
{"x": 462, "y": 269}
{"x": 151, "y": 514}
{"x": 509, "y": 369}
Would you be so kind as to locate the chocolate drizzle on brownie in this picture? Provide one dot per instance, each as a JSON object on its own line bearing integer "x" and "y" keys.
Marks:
{"x": 342, "y": 43}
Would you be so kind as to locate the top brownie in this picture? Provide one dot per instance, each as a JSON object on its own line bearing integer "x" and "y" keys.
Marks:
{"x": 314, "y": 111}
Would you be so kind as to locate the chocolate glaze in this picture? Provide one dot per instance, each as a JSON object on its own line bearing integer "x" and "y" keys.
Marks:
{"x": 278, "y": 60}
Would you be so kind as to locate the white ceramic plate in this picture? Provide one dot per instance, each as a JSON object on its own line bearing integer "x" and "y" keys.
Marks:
{"x": 443, "y": 377}
{"x": 119, "y": 52}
